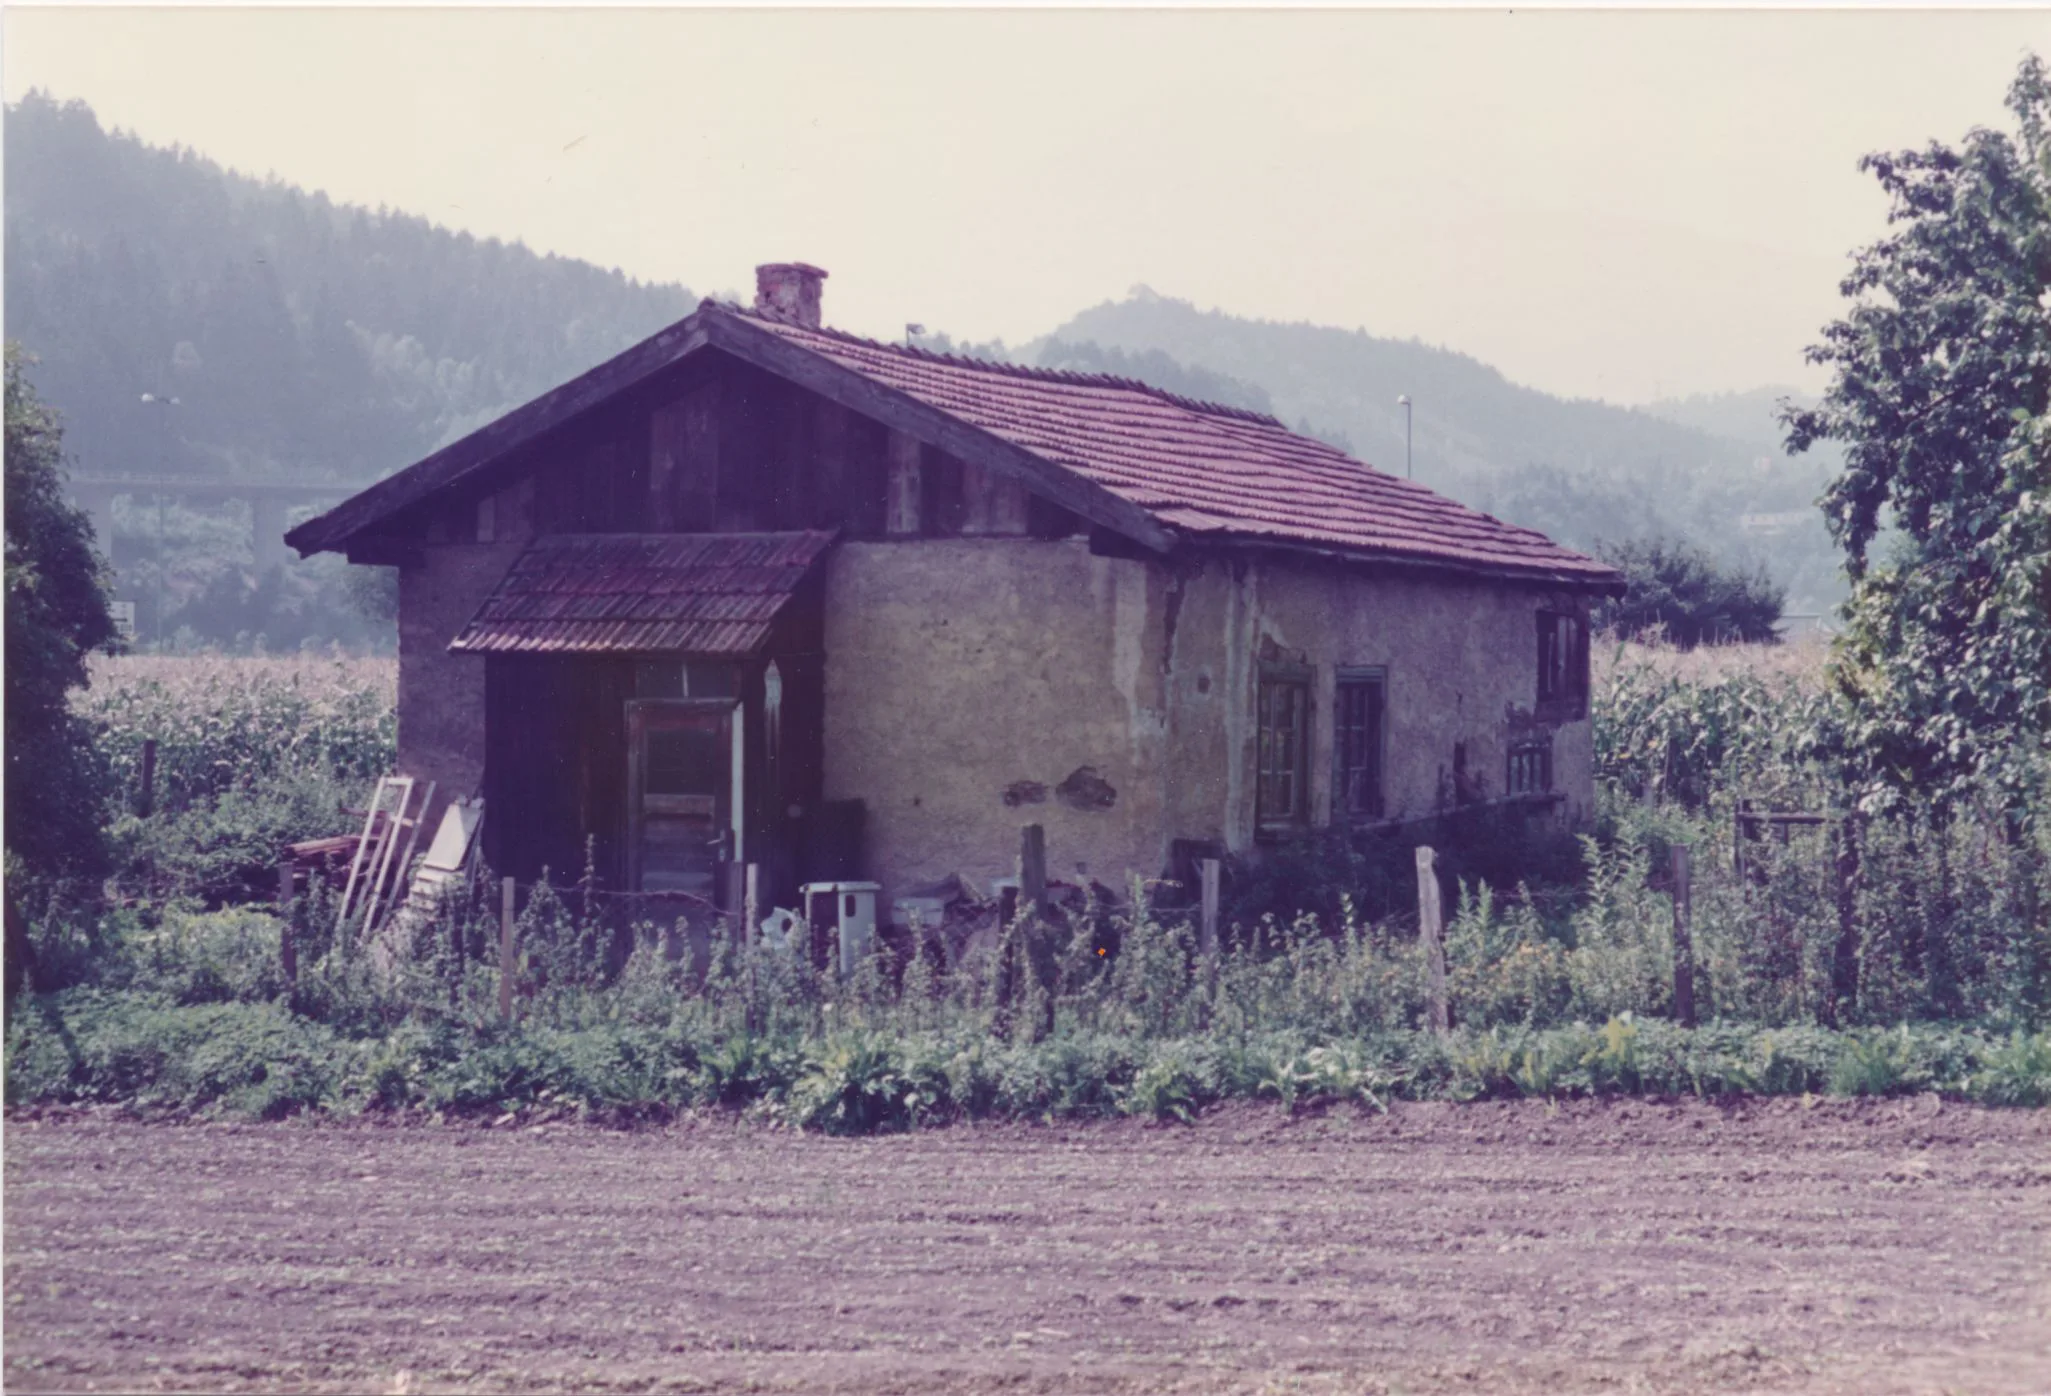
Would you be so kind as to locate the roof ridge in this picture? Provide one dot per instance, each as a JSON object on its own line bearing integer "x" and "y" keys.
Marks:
{"x": 1012, "y": 370}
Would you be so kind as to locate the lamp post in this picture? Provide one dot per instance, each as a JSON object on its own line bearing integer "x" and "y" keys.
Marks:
{"x": 156, "y": 400}
{"x": 1403, "y": 401}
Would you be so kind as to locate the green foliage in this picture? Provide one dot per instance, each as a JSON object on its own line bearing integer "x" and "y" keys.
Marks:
{"x": 1670, "y": 735}
{"x": 56, "y": 616}
{"x": 1942, "y": 372}
{"x": 259, "y": 1060}
{"x": 1680, "y": 594}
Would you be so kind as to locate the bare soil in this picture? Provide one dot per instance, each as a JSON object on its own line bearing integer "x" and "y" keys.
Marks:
{"x": 1639, "y": 1246}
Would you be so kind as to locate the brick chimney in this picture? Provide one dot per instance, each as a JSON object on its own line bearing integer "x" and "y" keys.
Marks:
{"x": 789, "y": 291}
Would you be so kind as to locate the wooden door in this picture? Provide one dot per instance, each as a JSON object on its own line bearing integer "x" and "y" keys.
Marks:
{"x": 679, "y": 794}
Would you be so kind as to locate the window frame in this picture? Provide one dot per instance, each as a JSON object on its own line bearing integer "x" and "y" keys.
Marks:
{"x": 1562, "y": 664}
{"x": 1536, "y": 752}
{"x": 1363, "y": 677}
{"x": 1273, "y": 678}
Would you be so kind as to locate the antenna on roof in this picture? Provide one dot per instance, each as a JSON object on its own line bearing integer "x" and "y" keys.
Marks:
{"x": 1403, "y": 401}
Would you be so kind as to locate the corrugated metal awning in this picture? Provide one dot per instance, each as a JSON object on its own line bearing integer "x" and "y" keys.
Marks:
{"x": 643, "y": 593}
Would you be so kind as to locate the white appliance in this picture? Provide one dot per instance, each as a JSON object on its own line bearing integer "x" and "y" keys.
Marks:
{"x": 847, "y": 912}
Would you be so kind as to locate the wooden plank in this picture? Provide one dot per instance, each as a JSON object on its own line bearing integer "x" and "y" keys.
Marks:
{"x": 1431, "y": 932}
{"x": 697, "y": 483}
{"x": 401, "y": 883}
{"x": 902, "y": 412}
{"x": 402, "y": 788}
{"x": 1207, "y": 936}
{"x": 288, "y": 952}
{"x": 507, "y": 949}
{"x": 1010, "y": 507}
{"x": 829, "y": 462}
{"x": 365, "y": 851}
{"x": 1684, "y": 943}
{"x": 666, "y": 436}
{"x": 905, "y": 491}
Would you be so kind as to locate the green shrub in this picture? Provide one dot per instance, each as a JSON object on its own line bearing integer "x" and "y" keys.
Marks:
{"x": 143, "y": 1049}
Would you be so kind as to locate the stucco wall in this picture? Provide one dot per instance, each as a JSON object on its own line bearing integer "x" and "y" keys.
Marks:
{"x": 441, "y": 695}
{"x": 968, "y": 680}
{"x": 1461, "y": 668}
{"x": 962, "y": 674}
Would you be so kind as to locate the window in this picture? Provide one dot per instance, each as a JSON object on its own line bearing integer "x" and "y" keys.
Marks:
{"x": 680, "y": 678}
{"x": 1358, "y": 706}
{"x": 1530, "y": 770}
{"x": 1282, "y": 792}
{"x": 1562, "y": 664}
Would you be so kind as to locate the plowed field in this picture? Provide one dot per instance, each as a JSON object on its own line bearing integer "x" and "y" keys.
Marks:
{"x": 1839, "y": 1248}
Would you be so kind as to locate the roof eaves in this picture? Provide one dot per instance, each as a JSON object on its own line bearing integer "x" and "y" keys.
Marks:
{"x": 1601, "y": 580}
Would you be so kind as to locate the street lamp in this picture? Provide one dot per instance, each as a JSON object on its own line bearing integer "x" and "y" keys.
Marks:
{"x": 157, "y": 400}
{"x": 1403, "y": 401}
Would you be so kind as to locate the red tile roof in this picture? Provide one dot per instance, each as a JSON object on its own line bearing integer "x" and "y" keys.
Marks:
{"x": 1204, "y": 469}
{"x": 633, "y": 593}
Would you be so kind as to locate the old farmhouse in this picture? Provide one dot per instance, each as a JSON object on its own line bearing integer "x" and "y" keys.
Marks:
{"x": 759, "y": 591}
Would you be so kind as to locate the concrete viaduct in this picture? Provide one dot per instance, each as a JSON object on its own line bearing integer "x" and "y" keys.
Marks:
{"x": 268, "y": 503}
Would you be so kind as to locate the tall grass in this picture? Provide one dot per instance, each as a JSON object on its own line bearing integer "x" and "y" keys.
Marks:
{"x": 1556, "y": 986}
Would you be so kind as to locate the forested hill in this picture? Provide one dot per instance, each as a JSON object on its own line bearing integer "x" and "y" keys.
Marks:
{"x": 1708, "y": 469}
{"x": 302, "y": 338}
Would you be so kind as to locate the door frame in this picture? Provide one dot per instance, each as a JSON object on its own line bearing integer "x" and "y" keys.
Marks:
{"x": 728, "y": 802}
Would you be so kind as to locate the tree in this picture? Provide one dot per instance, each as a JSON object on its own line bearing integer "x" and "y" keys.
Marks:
{"x": 1941, "y": 373}
{"x": 56, "y": 616}
{"x": 1679, "y": 593}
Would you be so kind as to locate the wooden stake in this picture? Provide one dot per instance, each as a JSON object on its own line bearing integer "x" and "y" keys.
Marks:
{"x": 1207, "y": 935}
{"x": 1844, "y": 960}
{"x": 149, "y": 776}
{"x": 751, "y": 901}
{"x": 507, "y": 891}
{"x": 1032, "y": 869}
{"x": 1684, "y": 943}
{"x": 288, "y": 953}
{"x": 1431, "y": 931}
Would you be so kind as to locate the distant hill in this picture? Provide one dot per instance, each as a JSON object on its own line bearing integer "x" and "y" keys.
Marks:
{"x": 302, "y": 338}
{"x": 1709, "y": 469}
{"x": 311, "y": 340}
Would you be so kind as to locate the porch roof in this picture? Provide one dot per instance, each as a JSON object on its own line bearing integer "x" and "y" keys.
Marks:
{"x": 643, "y": 593}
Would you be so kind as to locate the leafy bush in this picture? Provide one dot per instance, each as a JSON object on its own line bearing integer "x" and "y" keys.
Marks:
{"x": 1680, "y": 594}
{"x": 259, "y": 1060}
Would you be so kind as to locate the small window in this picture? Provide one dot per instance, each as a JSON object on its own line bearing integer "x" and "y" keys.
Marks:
{"x": 1530, "y": 770}
{"x": 1357, "y": 717}
{"x": 1563, "y": 664}
{"x": 1282, "y": 794}
{"x": 679, "y": 678}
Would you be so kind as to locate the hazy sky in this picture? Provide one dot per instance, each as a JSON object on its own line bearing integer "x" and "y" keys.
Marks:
{"x": 1602, "y": 203}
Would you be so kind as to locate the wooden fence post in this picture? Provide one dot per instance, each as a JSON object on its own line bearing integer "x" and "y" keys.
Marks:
{"x": 1844, "y": 960}
{"x": 288, "y": 952}
{"x": 1431, "y": 931}
{"x": 1032, "y": 869}
{"x": 1207, "y": 940}
{"x": 1684, "y": 942}
{"x": 148, "y": 800}
{"x": 506, "y": 950}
